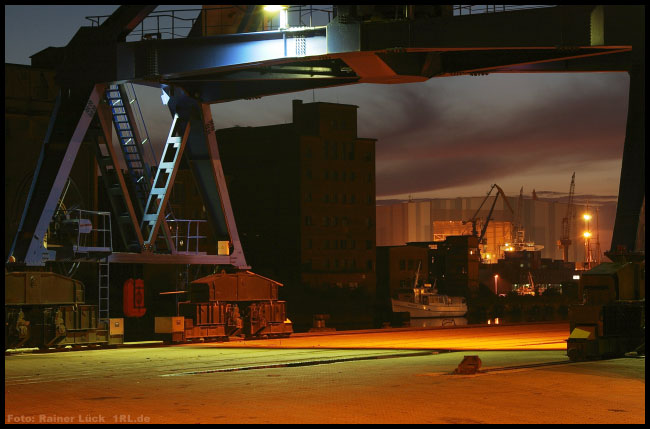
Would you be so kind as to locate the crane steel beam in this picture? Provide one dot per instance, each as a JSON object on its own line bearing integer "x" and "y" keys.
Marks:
{"x": 57, "y": 157}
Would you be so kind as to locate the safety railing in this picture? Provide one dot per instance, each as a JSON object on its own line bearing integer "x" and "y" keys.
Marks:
{"x": 186, "y": 234}
{"x": 177, "y": 23}
{"x": 475, "y": 9}
{"x": 92, "y": 230}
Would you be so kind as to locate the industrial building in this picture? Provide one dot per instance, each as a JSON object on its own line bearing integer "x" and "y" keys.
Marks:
{"x": 311, "y": 220}
{"x": 434, "y": 219}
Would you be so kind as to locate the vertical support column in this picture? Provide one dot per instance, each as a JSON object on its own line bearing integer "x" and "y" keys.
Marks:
{"x": 237, "y": 255}
{"x": 631, "y": 193}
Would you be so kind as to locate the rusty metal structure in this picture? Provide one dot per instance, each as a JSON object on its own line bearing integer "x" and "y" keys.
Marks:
{"x": 361, "y": 44}
{"x": 48, "y": 310}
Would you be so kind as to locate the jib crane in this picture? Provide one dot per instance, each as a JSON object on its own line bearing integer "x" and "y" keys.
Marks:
{"x": 474, "y": 219}
{"x": 565, "y": 240}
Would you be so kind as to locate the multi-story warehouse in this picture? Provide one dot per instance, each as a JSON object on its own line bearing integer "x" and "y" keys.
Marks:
{"x": 433, "y": 220}
{"x": 303, "y": 195}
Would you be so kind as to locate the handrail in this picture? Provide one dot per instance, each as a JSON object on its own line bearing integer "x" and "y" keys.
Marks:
{"x": 177, "y": 27}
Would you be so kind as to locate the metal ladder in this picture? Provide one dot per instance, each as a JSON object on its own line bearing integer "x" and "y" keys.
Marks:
{"x": 104, "y": 288}
{"x": 158, "y": 195}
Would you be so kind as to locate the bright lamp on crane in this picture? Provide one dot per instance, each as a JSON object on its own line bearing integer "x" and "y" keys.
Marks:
{"x": 284, "y": 15}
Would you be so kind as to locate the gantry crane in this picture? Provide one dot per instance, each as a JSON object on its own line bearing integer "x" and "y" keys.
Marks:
{"x": 565, "y": 239}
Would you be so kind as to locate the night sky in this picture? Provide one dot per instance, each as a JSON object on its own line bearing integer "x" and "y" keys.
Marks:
{"x": 447, "y": 137}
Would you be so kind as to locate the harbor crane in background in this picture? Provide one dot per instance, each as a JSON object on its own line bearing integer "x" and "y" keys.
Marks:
{"x": 565, "y": 240}
{"x": 474, "y": 219}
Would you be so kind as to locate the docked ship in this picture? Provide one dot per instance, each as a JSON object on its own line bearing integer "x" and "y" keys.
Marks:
{"x": 425, "y": 302}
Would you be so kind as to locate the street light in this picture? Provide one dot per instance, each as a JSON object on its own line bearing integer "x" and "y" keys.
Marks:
{"x": 496, "y": 289}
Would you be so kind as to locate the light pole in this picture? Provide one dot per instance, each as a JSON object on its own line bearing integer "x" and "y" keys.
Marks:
{"x": 587, "y": 236}
{"x": 496, "y": 289}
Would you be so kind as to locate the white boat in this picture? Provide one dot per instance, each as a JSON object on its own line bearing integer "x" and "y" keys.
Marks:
{"x": 425, "y": 302}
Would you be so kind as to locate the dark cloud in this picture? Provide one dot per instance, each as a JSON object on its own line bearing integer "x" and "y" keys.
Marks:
{"x": 574, "y": 123}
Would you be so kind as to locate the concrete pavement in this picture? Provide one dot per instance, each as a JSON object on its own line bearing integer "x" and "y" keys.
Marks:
{"x": 244, "y": 383}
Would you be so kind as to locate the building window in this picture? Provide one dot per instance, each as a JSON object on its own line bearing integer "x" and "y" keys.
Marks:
{"x": 369, "y": 265}
{"x": 368, "y": 244}
{"x": 353, "y": 244}
{"x": 402, "y": 264}
{"x": 308, "y": 197}
{"x": 352, "y": 176}
{"x": 344, "y": 244}
{"x": 410, "y": 264}
{"x": 308, "y": 220}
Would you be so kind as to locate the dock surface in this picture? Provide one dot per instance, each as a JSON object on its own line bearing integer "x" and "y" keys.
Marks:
{"x": 375, "y": 376}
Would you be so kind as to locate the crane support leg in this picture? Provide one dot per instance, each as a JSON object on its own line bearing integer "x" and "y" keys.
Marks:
{"x": 632, "y": 185}
{"x": 202, "y": 155}
{"x": 57, "y": 157}
{"x": 237, "y": 255}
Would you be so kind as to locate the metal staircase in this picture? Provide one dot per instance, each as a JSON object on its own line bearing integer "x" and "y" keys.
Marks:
{"x": 129, "y": 143}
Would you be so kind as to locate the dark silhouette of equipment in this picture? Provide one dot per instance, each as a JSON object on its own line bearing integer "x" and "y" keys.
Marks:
{"x": 611, "y": 319}
{"x": 565, "y": 240}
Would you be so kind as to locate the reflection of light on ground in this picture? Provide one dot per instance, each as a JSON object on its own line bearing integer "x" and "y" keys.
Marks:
{"x": 533, "y": 336}
{"x": 436, "y": 322}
